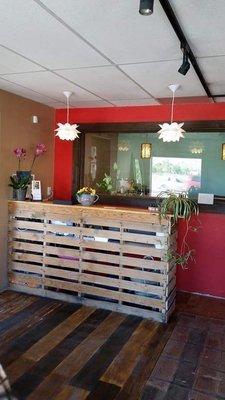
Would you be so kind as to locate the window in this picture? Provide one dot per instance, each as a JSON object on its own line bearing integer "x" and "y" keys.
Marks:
{"x": 114, "y": 164}
{"x": 176, "y": 174}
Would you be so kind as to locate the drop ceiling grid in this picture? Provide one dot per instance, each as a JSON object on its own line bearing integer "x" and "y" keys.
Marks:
{"x": 203, "y": 24}
{"x": 127, "y": 94}
{"x": 29, "y": 94}
{"x": 17, "y": 79}
{"x": 79, "y": 70}
{"x": 66, "y": 13}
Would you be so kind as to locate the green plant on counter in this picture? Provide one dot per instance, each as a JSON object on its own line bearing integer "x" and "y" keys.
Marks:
{"x": 19, "y": 182}
{"x": 106, "y": 184}
{"x": 179, "y": 206}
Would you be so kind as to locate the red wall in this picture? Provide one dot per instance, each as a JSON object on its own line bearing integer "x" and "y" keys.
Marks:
{"x": 207, "y": 274}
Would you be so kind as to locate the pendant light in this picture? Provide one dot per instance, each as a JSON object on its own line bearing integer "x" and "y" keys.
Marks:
{"x": 171, "y": 132}
{"x": 67, "y": 131}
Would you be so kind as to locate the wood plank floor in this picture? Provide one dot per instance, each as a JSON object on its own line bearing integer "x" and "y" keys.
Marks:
{"x": 56, "y": 350}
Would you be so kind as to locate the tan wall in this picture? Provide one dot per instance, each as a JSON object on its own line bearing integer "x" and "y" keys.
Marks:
{"x": 17, "y": 130}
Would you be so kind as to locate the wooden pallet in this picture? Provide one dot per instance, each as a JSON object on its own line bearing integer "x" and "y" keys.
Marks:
{"x": 108, "y": 257}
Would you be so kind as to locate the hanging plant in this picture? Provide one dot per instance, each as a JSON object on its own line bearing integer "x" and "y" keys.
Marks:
{"x": 178, "y": 206}
{"x": 181, "y": 259}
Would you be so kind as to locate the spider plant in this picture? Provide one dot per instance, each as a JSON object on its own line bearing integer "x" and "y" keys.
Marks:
{"x": 179, "y": 205}
{"x": 181, "y": 259}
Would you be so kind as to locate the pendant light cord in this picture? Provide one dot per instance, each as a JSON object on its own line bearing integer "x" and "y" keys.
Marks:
{"x": 172, "y": 108}
{"x": 67, "y": 111}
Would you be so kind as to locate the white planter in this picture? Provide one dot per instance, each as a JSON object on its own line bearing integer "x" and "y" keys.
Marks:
{"x": 87, "y": 199}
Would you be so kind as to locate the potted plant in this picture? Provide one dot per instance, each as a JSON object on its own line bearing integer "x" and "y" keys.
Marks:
{"x": 87, "y": 196}
{"x": 20, "y": 185}
{"x": 23, "y": 178}
{"x": 178, "y": 206}
{"x": 106, "y": 184}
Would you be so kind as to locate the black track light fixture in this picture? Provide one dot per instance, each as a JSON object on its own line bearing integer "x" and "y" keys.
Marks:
{"x": 146, "y": 7}
{"x": 185, "y": 66}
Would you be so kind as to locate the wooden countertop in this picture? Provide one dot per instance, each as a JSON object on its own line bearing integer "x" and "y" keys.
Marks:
{"x": 109, "y": 212}
{"x": 50, "y": 204}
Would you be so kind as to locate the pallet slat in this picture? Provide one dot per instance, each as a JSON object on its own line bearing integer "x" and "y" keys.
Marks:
{"x": 115, "y": 258}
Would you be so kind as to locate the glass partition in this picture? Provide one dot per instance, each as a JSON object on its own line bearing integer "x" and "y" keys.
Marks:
{"x": 140, "y": 164}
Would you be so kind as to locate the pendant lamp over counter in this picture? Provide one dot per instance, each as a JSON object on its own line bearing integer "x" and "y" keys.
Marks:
{"x": 172, "y": 132}
{"x": 67, "y": 131}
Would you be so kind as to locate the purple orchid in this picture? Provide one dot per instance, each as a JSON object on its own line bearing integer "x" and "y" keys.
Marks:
{"x": 40, "y": 149}
{"x": 20, "y": 153}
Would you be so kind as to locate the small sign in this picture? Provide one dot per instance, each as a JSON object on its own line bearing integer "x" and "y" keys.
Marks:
{"x": 205, "y": 198}
{"x": 36, "y": 190}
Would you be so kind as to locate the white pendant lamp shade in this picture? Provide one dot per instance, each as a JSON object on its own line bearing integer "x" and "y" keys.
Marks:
{"x": 67, "y": 131}
{"x": 172, "y": 132}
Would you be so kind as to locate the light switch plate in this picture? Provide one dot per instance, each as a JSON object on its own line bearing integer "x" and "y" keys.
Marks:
{"x": 205, "y": 198}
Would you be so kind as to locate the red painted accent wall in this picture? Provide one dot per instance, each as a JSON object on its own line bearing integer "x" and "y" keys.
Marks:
{"x": 207, "y": 275}
{"x": 63, "y": 169}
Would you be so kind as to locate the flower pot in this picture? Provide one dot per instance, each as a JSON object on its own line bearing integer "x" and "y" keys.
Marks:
{"x": 23, "y": 174}
{"x": 21, "y": 194}
{"x": 87, "y": 199}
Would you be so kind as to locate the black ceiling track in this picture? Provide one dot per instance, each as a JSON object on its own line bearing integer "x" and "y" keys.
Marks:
{"x": 184, "y": 43}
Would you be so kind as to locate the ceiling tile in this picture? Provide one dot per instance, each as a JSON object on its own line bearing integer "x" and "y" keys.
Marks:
{"x": 213, "y": 70}
{"x": 48, "y": 84}
{"x": 156, "y": 77}
{"x": 203, "y": 24}
{"x": 29, "y": 30}
{"x": 107, "y": 82}
{"x": 13, "y": 63}
{"x": 118, "y": 30}
{"x": 135, "y": 102}
{"x": 20, "y": 91}
{"x": 90, "y": 104}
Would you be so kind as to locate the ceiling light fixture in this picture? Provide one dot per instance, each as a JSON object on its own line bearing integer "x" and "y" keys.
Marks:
{"x": 171, "y": 132}
{"x": 185, "y": 66}
{"x": 146, "y": 7}
{"x": 67, "y": 131}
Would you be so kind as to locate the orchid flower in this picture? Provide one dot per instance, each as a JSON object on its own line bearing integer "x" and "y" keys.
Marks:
{"x": 20, "y": 153}
{"x": 39, "y": 151}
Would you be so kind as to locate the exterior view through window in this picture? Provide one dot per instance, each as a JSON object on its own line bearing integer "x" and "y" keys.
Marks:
{"x": 115, "y": 164}
{"x": 176, "y": 174}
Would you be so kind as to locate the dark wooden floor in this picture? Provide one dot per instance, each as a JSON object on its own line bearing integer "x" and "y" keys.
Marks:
{"x": 54, "y": 350}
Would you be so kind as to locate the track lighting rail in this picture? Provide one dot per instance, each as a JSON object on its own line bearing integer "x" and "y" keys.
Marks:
{"x": 184, "y": 43}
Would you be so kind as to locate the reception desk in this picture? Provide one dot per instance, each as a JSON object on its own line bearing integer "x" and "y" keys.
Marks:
{"x": 108, "y": 257}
